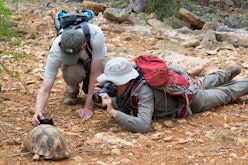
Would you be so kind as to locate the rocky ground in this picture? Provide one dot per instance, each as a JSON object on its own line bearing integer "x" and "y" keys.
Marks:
{"x": 218, "y": 136}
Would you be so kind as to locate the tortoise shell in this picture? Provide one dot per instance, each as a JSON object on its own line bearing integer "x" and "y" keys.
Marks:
{"x": 45, "y": 141}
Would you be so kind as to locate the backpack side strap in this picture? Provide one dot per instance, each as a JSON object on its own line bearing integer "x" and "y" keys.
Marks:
{"x": 86, "y": 31}
{"x": 190, "y": 90}
{"x": 135, "y": 92}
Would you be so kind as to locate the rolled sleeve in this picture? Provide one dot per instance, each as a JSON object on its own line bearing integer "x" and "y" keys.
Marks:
{"x": 54, "y": 60}
{"x": 99, "y": 49}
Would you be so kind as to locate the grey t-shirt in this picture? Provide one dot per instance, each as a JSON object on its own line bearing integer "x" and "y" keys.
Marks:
{"x": 150, "y": 101}
{"x": 99, "y": 51}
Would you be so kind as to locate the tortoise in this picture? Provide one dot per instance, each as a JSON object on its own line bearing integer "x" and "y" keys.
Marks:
{"x": 45, "y": 141}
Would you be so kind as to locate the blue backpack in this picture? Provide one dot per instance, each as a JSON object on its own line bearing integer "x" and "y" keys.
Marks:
{"x": 65, "y": 20}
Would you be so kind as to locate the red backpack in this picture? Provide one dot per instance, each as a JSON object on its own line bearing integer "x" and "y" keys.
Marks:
{"x": 173, "y": 81}
{"x": 153, "y": 69}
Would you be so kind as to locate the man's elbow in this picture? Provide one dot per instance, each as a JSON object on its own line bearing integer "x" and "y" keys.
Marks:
{"x": 145, "y": 126}
{"x": 142, "y": 129}
{"x": 145, "y": 129}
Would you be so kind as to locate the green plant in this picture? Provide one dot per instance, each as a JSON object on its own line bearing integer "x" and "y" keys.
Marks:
{"x": 244, "y": 18}
{"x": 18, "y": 58}
{"x": 9, "y": 36}
{"x": 12, "y": 74}
{"x": 119, "y": 3}
{"x": 167, "y": 8}
{"x": 5, "y": 25}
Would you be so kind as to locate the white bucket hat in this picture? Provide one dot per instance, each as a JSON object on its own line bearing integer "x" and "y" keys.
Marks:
{"x": 119, "y": 71}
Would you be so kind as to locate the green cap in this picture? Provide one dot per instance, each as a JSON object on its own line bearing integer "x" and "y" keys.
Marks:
{"x": 71, "y": 45}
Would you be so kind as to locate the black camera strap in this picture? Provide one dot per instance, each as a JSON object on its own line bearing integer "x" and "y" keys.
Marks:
{"x": 126, "y": 95}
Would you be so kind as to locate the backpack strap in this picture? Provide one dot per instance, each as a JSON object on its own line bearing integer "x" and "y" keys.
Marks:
{"x": 190, "y": 90}
{"x": 86, "y": 30}
{"x": 136, "y": 88}
{"x": 135, "y": 91}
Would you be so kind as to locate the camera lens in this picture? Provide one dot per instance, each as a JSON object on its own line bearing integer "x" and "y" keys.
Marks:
{"x": 96, "y": 98}
{"x": 106, "y": 87}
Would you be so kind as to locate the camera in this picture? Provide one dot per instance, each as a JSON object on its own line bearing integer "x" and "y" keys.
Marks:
{"x": 106, "y": 87}
{"x": 47, "y": 121}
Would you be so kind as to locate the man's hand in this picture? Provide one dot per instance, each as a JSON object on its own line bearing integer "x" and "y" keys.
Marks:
{"x": 96, "y": 88}
{"x": 36, "y": 118}
{"x": 107, "y": 102}
{"x": 85, "y": 113}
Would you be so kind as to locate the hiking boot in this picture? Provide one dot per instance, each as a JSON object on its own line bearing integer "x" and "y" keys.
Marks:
{"x": 234, "y": 71}
{"x": 70, "y": 98}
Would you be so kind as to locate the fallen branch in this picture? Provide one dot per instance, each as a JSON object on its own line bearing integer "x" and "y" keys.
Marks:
{"x": 78, "y": 152}
{"x": 20, "y": 154}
